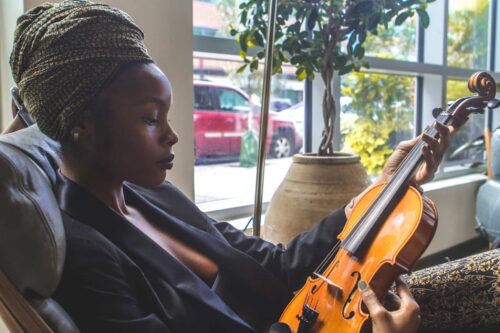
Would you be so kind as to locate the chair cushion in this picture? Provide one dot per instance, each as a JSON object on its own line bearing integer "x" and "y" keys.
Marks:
{"x": 32, "y": 242}
{"x": 488, "y": 209}
{"x": 495, "y": 154}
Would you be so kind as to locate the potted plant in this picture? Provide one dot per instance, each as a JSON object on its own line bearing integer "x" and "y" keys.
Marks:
{"x": 322, "y": 37}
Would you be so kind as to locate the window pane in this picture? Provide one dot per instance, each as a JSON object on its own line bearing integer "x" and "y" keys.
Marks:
{"x": 377, "y": 113}
{"x": 230, "y": 100}
{"x": 214, "y": 17}
{"x": 468, "y": 33}
{"x": 466, "y": 146}
{"x": 396, "y": 42}
{"x": 226, "y": 109}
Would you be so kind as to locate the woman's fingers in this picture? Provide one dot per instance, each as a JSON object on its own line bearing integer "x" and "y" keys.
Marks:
{"x": 444, "y": 133}
{"x": 404, "y": 293}
{"x": 375, "y": 308}
{"x": 392, "y": 301}
{"x": 405, "y": 319}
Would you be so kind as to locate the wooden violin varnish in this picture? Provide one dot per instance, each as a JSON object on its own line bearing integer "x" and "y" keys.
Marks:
{"x": 389, "y": 229}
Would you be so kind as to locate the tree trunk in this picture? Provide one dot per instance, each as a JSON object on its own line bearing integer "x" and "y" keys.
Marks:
{"x": 329, "y": 115}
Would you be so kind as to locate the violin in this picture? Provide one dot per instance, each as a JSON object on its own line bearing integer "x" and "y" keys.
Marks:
{"x": 388, "y": 230}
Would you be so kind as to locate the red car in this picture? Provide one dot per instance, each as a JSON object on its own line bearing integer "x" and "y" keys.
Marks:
{"x": 221, "y": 117}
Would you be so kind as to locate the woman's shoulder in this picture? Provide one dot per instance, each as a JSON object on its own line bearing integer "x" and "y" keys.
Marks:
{"x": 84, "y": 242}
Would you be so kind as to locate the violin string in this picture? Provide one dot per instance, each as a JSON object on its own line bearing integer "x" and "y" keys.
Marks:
{"x": 328, "y": 257}
{"x": 401, "y": 176}
{"x": 408, "y": 164}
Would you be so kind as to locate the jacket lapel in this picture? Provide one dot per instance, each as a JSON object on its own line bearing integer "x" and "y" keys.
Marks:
{"x": 83, "y": 206}
{"x": 252, "y": 291}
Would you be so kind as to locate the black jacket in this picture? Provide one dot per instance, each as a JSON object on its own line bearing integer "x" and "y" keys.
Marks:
{"x": 116, "y": 279}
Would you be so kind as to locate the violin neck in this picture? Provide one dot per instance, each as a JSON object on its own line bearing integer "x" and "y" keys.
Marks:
{"x": 359, "y": 238}
{"x": 414, "y": 158}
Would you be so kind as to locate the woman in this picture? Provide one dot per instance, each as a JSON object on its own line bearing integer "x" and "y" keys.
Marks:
{"x": 148, "y": 260}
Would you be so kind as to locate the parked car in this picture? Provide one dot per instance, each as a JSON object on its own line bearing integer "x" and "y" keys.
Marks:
{"x": 295, "y": 113}
{"x": 223, "y": 113}
{"x": 279, "y": 104}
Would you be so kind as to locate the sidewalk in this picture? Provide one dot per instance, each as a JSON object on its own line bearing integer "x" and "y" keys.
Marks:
{"x": 226, "y": 181}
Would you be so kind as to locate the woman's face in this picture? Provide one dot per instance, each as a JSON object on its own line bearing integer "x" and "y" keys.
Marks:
{"x": 135, "y": 143}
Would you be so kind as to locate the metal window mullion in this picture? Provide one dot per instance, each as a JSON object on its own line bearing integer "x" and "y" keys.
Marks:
{"x": 488, "y": 119}
{"x": 336, "y": 96}
{"x": 419, "y": 87}
{"x": 492, "y": 35}
{"x": 444, "y": 79}
{"x": 308, "y": 97}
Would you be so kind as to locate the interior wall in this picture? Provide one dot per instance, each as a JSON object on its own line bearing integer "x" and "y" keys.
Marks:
{"x": 455, "y": 200}
{"x": 168, "y": 30}
{"x": 9, "y": 11}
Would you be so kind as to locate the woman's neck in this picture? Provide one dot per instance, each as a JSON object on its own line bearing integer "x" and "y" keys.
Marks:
{"x": 105, "y": 187}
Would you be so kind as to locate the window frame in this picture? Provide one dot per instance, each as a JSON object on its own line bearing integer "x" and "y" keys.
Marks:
{"x": 430, "y": 70}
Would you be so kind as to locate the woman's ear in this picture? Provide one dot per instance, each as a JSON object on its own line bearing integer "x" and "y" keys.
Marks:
{"x": 81, "y": 129}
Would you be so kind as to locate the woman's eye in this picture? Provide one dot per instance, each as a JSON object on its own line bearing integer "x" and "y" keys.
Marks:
{"x": 149, "y": 121}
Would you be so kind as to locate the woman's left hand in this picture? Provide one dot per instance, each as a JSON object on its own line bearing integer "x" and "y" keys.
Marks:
{"x": 405, "y": 318}
{"x": 433, "y": 153}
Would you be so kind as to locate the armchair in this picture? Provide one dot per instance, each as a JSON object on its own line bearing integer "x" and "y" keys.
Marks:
{"x": 32, "y": 241}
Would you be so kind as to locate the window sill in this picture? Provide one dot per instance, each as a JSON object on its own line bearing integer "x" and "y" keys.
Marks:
{"x": 238, "y": 212}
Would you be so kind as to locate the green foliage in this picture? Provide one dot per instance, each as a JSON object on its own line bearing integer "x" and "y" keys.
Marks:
{"x": 228, "y": 12}
{"x": 468, "y": 35}
{"x": 397, "y": 42}
{"x": 315, "y": 35}
{"x": 383, "y": 108}
{"x": 320, "y": 36}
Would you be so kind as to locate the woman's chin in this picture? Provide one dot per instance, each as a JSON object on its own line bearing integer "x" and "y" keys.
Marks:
{"x": 150, "y": 181}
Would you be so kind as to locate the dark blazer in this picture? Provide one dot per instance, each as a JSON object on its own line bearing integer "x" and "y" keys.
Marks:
{"x": 116, "y": 279}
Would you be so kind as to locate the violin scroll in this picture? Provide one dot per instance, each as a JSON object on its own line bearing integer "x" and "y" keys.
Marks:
{"x": 482, "y": 84}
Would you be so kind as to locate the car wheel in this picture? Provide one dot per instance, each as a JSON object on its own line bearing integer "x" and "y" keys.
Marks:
{"x": 281, "y": 146}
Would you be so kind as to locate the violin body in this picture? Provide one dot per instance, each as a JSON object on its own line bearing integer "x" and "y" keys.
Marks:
{"x": 398, "y": 244}
{"x": 388, "y": 230}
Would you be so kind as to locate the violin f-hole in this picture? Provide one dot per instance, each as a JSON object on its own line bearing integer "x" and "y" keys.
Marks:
{"x": 349, "y": 298}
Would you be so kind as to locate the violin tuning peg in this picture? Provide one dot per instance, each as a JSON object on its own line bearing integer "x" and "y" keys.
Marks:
{"x": 436, "y": 112}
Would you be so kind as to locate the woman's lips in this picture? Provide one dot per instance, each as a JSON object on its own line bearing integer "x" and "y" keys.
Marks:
{"x": 166, "y": 163}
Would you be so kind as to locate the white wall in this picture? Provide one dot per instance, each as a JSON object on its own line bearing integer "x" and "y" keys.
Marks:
{"x": 455, "y": 200}
{"x": 9, "y": 11}
{"x": 168, "y": 29}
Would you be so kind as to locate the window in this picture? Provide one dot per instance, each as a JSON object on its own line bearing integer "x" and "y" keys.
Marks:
{"x": 466, "y": 149}
{"x": 214, "y": 17}
{"x": 230, "y": 100}
{"x": 396, "y": 42}
{"x": 203, "y": 99}
{"x": 468, "y": 33}
{"x": 227, "y": 108}
{"x": 411, "y": 73}
{"x": 377, "y": 113}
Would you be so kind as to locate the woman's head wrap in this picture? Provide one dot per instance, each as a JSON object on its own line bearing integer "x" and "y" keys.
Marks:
{"x": 64, "y": 54}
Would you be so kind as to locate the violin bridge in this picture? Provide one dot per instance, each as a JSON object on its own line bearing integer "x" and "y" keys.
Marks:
{"x": 331, "y": 285}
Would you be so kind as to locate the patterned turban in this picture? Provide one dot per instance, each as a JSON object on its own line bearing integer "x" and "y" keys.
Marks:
{"x": 65, "y": 53}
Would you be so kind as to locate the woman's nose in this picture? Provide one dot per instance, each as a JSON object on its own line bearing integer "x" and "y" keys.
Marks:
{"x": 169, "y": 136}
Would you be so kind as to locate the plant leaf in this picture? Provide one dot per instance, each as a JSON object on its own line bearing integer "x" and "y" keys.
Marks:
{"x": 241, "y": 69}
{"x": 401, "y": 18}
{"x": 424, "y": 18}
